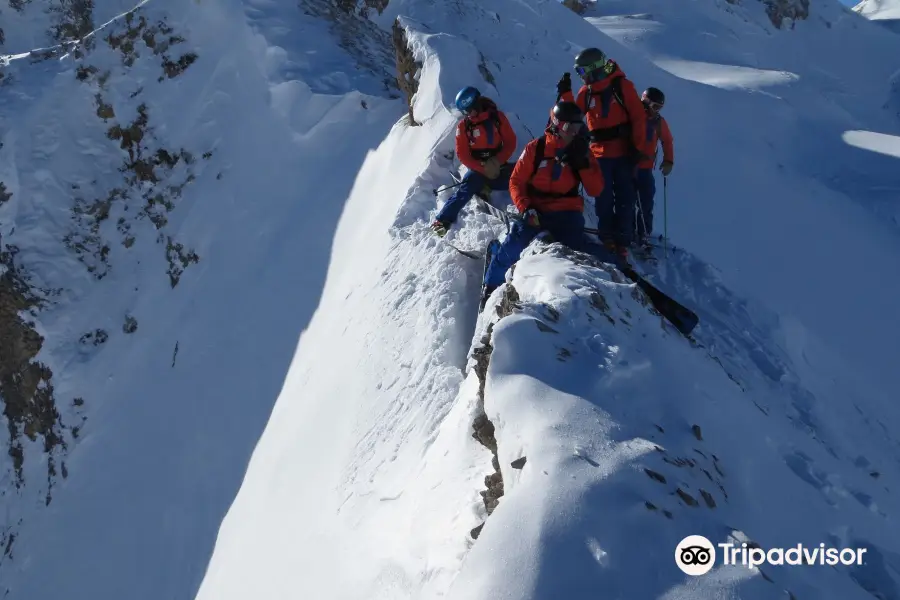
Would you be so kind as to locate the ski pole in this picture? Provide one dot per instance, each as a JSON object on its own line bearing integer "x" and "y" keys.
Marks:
{"x": 435, "y": 191}
{"x": 666, "y": 216}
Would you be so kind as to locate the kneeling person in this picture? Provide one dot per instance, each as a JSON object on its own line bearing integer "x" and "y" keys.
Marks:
{"x": 544, "y": 187}
{"x": 485, "y": 140}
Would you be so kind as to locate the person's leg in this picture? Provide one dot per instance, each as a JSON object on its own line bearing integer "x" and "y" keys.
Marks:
{"x": 501, "y": 184}
{"x": 566, "y": 227}
{"x": 605, "y": 202}
{"x": 471, "y": 184}
{"x": 625, "y": 201}
{"x": 646, "y": 190}
{"x": 520, "y": 235}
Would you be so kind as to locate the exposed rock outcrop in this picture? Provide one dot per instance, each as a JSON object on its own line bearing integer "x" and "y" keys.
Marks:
{"x": 407, "y": 68}
{"x": 483, "y": 428}
{"x": 783, "y": 12}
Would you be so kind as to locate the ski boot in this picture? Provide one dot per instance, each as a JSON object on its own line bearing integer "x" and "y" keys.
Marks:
{"x": 440, "y": 228}
{"x": 642, "y": 248}
{"x": 485, "y": 196}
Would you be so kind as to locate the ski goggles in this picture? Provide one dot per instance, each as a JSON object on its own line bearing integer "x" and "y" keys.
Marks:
{"x": 657, "y": 106}
{"x": 594, "y": 66}
{"x": 569, "y": 126}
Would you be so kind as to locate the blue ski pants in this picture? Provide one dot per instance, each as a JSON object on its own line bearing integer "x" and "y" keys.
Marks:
{"x": 472, "y": 183}
{"x": 646, "y": 190}
{"x": 615, "y": 206}
{"x": 566, "y": 227}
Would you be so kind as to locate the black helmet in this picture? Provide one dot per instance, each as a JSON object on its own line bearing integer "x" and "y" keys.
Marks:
{"x": 567, "y": 112}
{"x": 588, "y": 60}
{"x": 654, "y": 95}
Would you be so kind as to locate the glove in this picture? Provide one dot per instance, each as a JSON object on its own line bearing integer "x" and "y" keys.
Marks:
{"x": 532, "y": 219}
{"x": 564, "y": 85}
{"x": 491, "y": 168}
{"x": 577, "y": 154}
{"x": 666, "y": 167}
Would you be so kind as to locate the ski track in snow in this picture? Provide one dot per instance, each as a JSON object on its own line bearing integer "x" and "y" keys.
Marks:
{"x": 364, "y": 481}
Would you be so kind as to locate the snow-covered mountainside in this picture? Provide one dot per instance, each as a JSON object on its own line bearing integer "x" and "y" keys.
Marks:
{"x": 884, "y": 12}
{"x": 220, "y": 295}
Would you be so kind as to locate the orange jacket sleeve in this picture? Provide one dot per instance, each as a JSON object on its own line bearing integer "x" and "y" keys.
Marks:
{"x": 508, "y": 135}
{"x": 592, "y": 178}
{"x": 636, "y": 114}
{"x": 463, "y": 152}
{"x": 668, "y": 144}
{"x": 518, "y": 181}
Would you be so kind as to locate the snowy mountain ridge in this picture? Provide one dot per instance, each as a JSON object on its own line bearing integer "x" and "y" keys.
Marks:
{"x": 367, "y": 481}
{"x": 879, "y": 9}
{"x": 883, "y": 12}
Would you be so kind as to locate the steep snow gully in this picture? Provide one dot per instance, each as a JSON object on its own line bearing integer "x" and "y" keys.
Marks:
{"x": 561, "y": 443}
{"x": 603, "y": 436}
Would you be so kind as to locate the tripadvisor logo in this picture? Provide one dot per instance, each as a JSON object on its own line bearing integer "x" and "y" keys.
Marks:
{"x": 695, "y": 555}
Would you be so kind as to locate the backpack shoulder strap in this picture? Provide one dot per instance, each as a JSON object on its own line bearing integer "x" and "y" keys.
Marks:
{"x": 617, "y": 92}
{"x": 538, "y": 154}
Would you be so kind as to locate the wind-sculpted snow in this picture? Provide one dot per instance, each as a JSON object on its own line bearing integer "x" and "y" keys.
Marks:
{"x": 883, "y": 12}
{"x": 634, "y": 438}
{"x": 226, "y": 207}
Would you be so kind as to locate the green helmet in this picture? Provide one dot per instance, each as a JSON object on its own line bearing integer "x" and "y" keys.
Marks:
{"x": 590, "y": 60}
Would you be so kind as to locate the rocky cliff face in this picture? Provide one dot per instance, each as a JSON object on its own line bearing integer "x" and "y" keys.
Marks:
{"x": 108, "y": 210}
{"x": 783, "y": 13}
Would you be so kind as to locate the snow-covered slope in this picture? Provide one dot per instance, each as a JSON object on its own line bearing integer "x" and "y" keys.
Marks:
{"x": 189, "y": 251}
{"x": 309, "y": 221}
{"x": 884, "y": 12}
{"x": 371, "y": 494}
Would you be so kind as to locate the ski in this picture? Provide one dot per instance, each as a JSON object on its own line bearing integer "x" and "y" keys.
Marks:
{"x": 467, "y": 253}
{"x": 683, "y": 318}
{"x": 492, "y": 248}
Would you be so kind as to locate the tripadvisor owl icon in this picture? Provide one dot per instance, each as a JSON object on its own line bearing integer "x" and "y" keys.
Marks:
{"x": 695, "y": 555}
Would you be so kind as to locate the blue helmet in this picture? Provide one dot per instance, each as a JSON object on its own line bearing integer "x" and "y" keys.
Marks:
{"x": 466, "y": 98}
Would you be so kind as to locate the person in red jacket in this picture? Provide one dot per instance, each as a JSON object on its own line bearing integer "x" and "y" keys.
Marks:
{"x": 544, "y": 187}
{"x": 485, "y": 141}
{"x": 617, "y": 124}
{"x": 657, "y": 131}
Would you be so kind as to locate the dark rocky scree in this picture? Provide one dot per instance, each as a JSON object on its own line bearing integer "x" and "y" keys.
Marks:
{"x": 26, "y": 389}
{"x": 25, "y": 384}
{"x": 153, "y": 177}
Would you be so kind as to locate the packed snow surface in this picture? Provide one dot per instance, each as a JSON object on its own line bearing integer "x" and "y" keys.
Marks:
{"x": 879, "y": 10}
